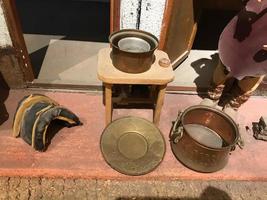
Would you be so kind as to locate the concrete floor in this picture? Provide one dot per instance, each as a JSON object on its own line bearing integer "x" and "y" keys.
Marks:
{"x": 71, "y": 61}
{"x": 75, "y": 153}
{"x": 35, "y": 42}
{"x": 73, "y": 167}
{"x": 70, "y": 189}
{"x": 75, "y": 62}
{"x": 64, "y": 61}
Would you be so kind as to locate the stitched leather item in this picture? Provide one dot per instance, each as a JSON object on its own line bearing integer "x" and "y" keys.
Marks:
{"x": 34, "y": 115}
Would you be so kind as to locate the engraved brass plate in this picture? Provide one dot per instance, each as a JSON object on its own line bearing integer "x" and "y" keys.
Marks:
{"x": 132, "y": 145}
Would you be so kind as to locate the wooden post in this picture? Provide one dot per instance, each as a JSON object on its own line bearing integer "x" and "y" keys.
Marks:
{"x": 160, "y": 100}
{"x": 17, "y": 38}
{"x": 108, "y": 102}
{"x": 114, "y": 15}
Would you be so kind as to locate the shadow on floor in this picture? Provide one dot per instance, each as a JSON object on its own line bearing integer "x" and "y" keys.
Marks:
{"x": 37, "y": 59}
{"x": 76, "y": 20}
{"x": 133, "y": 96}
{"x": 4, "y": 92}
{"x": 209, "y": 193}
{"x": 60, "y": 57}
{"x": 202, "y": 66}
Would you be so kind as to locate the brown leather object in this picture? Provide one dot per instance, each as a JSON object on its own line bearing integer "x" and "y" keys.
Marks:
{"x": 23, "y": 105}
{"x": 33, "y": 116}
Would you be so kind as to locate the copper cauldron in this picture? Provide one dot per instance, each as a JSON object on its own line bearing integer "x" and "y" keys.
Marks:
{"x": 202, "y": 138}
{"x": 133, "y": 50}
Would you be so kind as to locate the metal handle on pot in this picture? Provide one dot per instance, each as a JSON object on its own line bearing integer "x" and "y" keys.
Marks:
{"x": 240, "y": 142}
{"x": 177, "y": 130}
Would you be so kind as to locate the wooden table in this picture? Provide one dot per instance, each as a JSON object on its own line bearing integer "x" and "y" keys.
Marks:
{"x": 156, "y": 75}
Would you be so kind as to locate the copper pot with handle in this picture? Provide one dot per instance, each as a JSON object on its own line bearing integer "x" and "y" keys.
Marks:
{"x": 202, "y": 138}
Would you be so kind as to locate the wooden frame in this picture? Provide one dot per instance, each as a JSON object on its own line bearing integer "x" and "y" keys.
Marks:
{"x": 17, "y": 39}
{"x": 115, "y": 15}
{"x": 167, "y": 26}
{"x": 16, "y": 34}
{"x": 166, "y": 23}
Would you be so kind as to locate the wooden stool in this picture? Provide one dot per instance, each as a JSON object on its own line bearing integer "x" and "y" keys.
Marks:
{"x": 156, "y": 75}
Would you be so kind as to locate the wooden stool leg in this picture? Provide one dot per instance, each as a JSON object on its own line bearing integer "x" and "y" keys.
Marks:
{"x": 108, "y": 102}
{"x": 160, "y": 100}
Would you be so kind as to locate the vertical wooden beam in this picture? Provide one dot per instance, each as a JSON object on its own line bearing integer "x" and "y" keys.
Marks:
{"x": 17, "y": 38}
{"x": 108, "y": 102}
{"x": 167, "y": 15}
{"x": 159, "y": 104}
{"x": 114, "y": 15}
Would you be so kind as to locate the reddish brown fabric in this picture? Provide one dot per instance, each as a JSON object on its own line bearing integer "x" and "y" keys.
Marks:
{"x": 241, "y": 42}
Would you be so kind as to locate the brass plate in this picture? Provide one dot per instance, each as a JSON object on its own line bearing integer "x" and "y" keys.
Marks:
{"x": 132, "y": 145}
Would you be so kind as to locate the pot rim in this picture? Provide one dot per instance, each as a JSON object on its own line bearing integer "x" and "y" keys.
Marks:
{"x": 219, "y": 113}
{"x": 153, "y": 38}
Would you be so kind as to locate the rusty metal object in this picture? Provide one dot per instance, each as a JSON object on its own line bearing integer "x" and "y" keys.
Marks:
{"x": 202, "y": 138}
{"x": 132, "y": 145}
{"x": 260, "y": 129}
{"x": 133, "y": 50}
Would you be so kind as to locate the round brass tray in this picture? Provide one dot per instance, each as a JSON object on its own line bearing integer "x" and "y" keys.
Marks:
{"x": 132, "y": 145}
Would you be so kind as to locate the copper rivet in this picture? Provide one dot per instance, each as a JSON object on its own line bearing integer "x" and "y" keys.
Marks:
{"x": 164, "y": 62}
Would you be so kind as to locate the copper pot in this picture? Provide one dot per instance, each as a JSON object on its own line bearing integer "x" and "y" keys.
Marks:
{"x": 202, "y": 138}
{"x": 133, "y": 50}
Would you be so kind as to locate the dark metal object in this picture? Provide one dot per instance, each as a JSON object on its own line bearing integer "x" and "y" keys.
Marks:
{"x": 260, "y": 129}
{"x": 125, "y": 58}
{"x": 202, "y": 138}
{"x": 132, "y": 145}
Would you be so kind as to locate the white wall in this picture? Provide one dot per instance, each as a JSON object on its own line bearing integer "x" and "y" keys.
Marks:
{"x": 5, "y": 39}
{"x": 151, "y": 16}
{"x": 150, "y": 11}
{"x": 129, "y": 13}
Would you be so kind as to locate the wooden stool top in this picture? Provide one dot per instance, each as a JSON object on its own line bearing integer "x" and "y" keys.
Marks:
{"x": 156, "y": 75}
